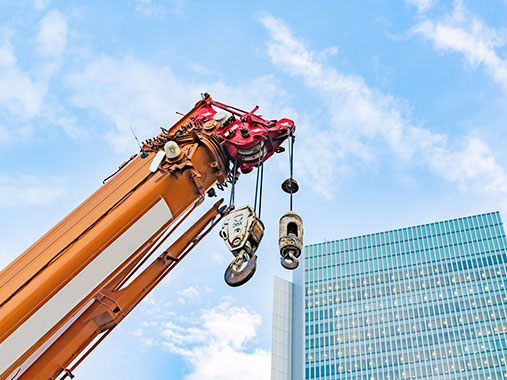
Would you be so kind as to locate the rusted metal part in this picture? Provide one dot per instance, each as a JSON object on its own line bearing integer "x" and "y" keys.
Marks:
{"x": 290, "y": 186}
{"x": 289, "y": 262}
{"x": 235, "y": 276}
{"x": 242, "y": 232}
{"x": 291, "y": 239}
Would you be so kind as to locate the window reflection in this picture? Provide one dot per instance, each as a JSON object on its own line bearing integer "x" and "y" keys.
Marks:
{"x": 421, "y": 302}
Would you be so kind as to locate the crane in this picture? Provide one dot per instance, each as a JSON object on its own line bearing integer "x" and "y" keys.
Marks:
{"x": 62, "y": 296}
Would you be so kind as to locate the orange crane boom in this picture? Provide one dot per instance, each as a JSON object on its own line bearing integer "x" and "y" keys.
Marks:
{"x": 64, "y": 294}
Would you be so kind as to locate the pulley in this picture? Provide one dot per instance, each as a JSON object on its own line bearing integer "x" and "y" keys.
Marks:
{"x": 291, "y": 239}
{"x": 242, "y": 232}
{"x": 291, "y": 224}
{"x": 290, "y": 186}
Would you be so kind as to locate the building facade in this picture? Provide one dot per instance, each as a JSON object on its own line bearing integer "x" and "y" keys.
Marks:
{"x": 423, "y": 302}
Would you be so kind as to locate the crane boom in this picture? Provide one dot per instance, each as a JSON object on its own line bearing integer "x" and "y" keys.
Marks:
{"x": 63, "y": 295}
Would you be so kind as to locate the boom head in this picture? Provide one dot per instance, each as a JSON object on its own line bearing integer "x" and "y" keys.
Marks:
{"x": 247, "y": 140}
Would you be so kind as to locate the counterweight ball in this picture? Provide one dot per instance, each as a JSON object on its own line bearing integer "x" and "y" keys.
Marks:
{"x": 291, "y": 239}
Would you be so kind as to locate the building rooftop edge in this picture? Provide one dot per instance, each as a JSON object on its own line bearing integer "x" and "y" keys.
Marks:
{"x": 402, "y": 228}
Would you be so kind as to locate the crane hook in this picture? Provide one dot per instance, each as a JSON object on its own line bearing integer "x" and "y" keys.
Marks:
{"x": 291, "y": 224}
{"x": 289, "y": 262}
{"x": 242, "y": 232}
{"x": 238, "y": 273}
{"x": 291, "y": 239}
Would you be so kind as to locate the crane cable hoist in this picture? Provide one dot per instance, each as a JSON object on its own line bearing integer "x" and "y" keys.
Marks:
{"x": 242, "y": 229}
{"x": 63, "y": 296}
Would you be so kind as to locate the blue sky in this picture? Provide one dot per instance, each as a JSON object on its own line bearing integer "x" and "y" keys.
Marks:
{"x": 400, "y": 109}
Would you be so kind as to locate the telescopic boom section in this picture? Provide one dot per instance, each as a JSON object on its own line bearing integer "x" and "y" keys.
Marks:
{"x": 65, "y": 293}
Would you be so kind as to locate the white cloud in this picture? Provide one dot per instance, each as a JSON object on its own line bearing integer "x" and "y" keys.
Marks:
{"x": 204, "y": 71}
{"x": 148, "y": 8}
{"x": 363, "y": 121}
{"x": 18, "y": 93}
{"x": 464, "y": 33}
{"x": 216, "y": 345}
{"x": 189, "y": 295}
{"x": 421, "y": 5}
{"x": 360, "y": 122}
{"x": 23, "y": 92}
{"x": 40, "y": 5}
{"x": 56, "y": 114}
{"x": 4, "y": 135}
{"x": 158, "y": 9}
{"x": 19, "y": 189}
{"x": 132, "y": 92}
{"x": 138, "y": 332}
{"x": 475, "y": 161}
{"x": 52, "y": 37}
{"x": 7, "y": 57}
{"x": 129, "y": 93}
{"x": 218, "y": 258}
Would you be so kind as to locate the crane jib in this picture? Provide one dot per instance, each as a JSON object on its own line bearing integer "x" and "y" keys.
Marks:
{"x": 64, "y": 294}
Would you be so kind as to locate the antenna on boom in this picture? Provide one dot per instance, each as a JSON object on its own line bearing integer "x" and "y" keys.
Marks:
{"x": 138, "y": 143}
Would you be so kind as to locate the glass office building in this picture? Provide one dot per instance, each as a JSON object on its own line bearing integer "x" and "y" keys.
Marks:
{"x": 423, "y": 302}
